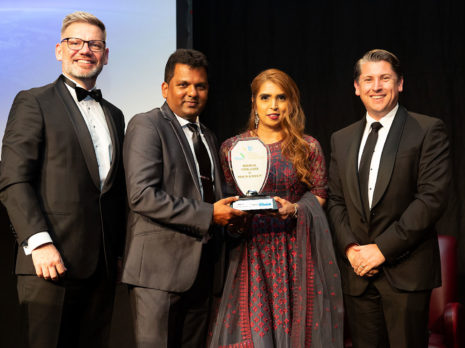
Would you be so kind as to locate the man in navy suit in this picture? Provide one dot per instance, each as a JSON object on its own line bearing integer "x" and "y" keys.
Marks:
{"x": 388, "y": 181}
{"x": 62, "y": 182}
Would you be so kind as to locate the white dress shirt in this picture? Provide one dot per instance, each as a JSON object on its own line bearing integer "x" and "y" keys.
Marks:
{"x": 183, "y": 122}
{"x": 386, "y": 122}
{"x": 94, "y": 117}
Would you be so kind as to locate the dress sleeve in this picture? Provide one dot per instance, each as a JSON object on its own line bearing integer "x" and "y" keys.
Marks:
{"x": 318, "y": 169}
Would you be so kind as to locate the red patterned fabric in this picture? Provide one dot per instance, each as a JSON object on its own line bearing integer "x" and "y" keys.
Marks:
{"x": 276, "y": 292}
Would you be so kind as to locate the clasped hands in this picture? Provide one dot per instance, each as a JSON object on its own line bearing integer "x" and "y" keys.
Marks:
{"x": 365, "y": 259}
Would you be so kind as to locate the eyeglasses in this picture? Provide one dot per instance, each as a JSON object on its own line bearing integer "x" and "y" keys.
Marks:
{"x": 76, "y": 44}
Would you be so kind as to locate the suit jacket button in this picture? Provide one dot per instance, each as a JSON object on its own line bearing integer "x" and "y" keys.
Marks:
{"x": 362, "y": 220}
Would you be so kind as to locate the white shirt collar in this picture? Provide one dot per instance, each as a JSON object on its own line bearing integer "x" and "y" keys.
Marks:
{"x": 79, "y": 85}
{"x": 385, "y": 121}
{"x": 183, "y": 122}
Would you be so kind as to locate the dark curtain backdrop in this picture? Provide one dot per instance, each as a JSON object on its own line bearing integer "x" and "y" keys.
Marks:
{"x": 317, "y": 43}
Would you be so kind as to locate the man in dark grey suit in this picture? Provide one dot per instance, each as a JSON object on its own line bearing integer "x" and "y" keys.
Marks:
{"x": 62, "y": 182}
{"x": 388, "y": 181}
{"x": 174, "y": 181}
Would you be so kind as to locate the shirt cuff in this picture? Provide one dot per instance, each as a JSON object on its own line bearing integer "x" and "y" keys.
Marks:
{"x": 35, "y": 241}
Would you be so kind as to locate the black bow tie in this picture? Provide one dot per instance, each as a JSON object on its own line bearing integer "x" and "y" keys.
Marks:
{"x": 82, "y": 93}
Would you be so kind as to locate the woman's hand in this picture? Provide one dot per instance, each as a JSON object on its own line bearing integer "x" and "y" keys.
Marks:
{"x": 287, "y": 208}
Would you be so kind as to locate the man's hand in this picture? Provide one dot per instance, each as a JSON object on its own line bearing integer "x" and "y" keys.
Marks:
{"x": 47, "y": 262}
{"x": 353, "y": 255}
{"x": 360, "y": 266}
{"x": 369, "y": 258}
{"x": 223, "y": 213}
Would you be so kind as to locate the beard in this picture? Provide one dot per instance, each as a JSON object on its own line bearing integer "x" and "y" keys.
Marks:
{"x": 78, "y": 73}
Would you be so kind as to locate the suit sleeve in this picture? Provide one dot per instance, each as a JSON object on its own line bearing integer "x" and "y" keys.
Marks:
{"x": 336, "y": 206}
{"x": 434, "y": 177}
{"x": 143, "y": 162}
{"x": 20, "y": 167}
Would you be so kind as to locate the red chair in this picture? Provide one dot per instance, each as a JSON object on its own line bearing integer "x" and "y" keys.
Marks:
{"x": 446, "y": 316}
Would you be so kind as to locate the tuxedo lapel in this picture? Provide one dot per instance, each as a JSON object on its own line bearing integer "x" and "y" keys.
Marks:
{"x": 353, "y": 184}
{"x": 181, "y": 137}
{"x": 388, "y": 156}
{"x": 81, "y": 130}
{"x": 116, "y": 147}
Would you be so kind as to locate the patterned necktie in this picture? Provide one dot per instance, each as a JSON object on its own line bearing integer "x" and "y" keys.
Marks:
{"x": 365, "y": 163}
{"x": 204, "y": 163}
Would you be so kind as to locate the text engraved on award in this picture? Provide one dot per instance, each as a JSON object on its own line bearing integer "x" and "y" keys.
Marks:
{"x": 249, "y": 164}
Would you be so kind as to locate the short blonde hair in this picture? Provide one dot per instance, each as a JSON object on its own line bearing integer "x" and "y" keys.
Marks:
{"x": 83, "y": 17}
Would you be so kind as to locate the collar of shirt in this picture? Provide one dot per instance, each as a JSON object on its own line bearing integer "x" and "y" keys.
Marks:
{"x": 188, "y": 133}
{"x": 94, "y": 117}
{"x": 73, "y": 91}
{"x": 383, "y": 132}
{"x": 183, "y": 122}
{"x": 385, "y": 121}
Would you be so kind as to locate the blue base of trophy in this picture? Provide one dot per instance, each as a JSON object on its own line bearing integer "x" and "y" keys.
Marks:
{"x": 255, "y": 203}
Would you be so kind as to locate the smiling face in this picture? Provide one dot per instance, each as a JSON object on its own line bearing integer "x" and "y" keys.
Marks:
{"x": 187, "y": 92}
{"x": 378, "y": 87}
{"x": 271, "y": 105}
{"x": 83, "y": 65}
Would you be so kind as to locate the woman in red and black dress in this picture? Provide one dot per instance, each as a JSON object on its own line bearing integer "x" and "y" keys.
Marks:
{"x": 283, "y": 284}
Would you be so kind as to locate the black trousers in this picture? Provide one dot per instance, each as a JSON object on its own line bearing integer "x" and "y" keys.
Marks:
{"x": 66, "y": 313}
{"x": 169, "y": 319}
{"x": 384, "y": 316}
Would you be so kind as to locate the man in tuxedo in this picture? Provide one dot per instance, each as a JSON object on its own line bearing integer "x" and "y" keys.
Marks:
{"x": 62, "y": 182}
{"x": 173, "y": 176}
{"x": 388, "y": 180}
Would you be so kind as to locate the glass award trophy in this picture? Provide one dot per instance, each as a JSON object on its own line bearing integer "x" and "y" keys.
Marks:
{"x": 249, "y": 164}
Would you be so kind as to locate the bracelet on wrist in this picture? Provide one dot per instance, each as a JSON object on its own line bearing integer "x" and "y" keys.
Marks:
{"x": 295, "y": 210}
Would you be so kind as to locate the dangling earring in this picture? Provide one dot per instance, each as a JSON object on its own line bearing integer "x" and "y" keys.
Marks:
{"x": 256, "y": 120}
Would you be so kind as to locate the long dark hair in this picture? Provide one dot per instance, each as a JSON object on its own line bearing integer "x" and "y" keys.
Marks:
{"x": 293, "y": 146}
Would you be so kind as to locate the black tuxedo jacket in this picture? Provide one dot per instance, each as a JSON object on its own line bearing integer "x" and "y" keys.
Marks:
{"x": 49, "y": 180}
{"x": 167, "y": 218}
{"x": 409, "y": 197}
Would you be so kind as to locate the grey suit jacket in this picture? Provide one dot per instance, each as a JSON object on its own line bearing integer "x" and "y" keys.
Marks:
{"x": 409, "y": 197}
{"x": 49, "y": 180}
{"x": 167, "y": 218}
